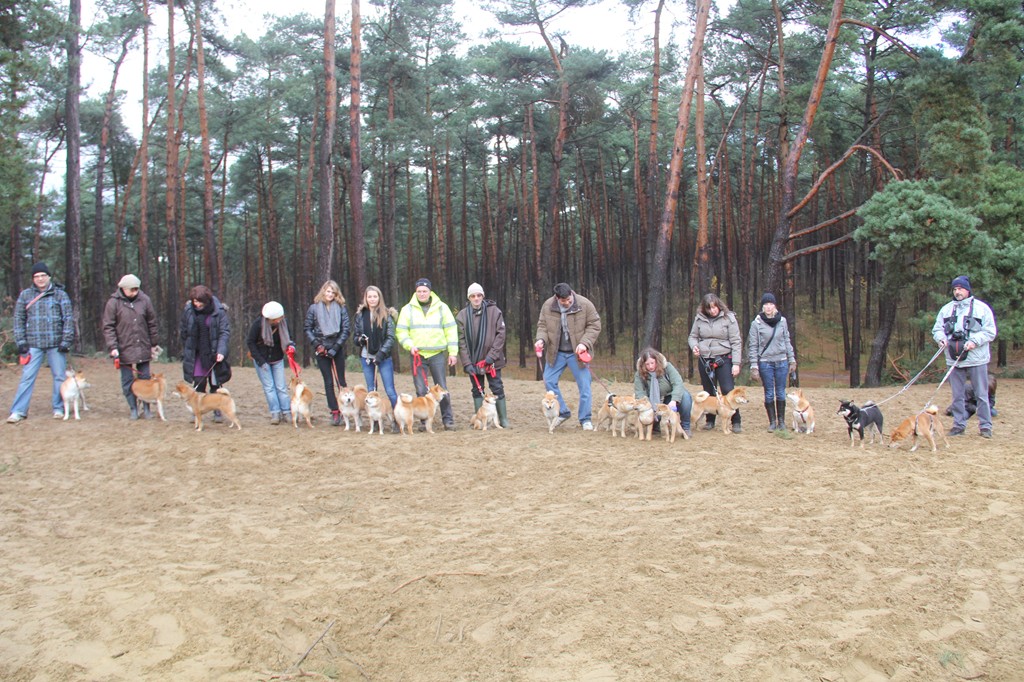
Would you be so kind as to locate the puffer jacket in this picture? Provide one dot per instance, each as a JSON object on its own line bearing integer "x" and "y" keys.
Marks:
{"x": 670, "y": 381}
{"x": 492, "y": 349}
{"x": 364, "y": 327}
{"x": 583, "y": 321}
{"x": 47, "y": 323}
{"x": 762, "y": 345}
{"x": 220, "y": 335}
{"x": 129, "y": 325}
{"x": 717, "y": 336}
{"x": 432, "y": 332}
{"x": 973, "y": 318}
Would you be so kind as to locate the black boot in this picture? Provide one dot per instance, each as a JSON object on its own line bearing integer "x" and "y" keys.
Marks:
{"x": 709, "y": 422}
{"x": 770, "y": 409}
{"x": 736, "y": 427}
{"x": 133, "y": 406}
{"x": 780, "y": 414}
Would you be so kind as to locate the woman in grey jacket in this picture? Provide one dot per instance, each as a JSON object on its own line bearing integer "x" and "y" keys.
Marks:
{"x": 716, "y": 340}
{"x": 771, "y": 357}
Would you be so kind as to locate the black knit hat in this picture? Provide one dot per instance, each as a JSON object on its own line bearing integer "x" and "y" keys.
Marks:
{"x": 768, "y": 298}
{"x": 423, "y": 282}
{"x": 40, "y": 267}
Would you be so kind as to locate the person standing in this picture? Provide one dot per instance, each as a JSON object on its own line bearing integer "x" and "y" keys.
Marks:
{"x": 481, "y": 327}
{"x": 205, "y": 332}
{"x": 327, "y": 329}
{"x": 658, "y": 380}
{"x": 715, "y": 341}
{"x": 43, "y": 328}
{"x": 375, "y": 336}
{"x": 130, "y": 332}
{"x": 771, "y": 358}
{"x": 966, "y": 327}
{"x": 427, "y": 329}
{"x": 269, "y": 342}
{"x": 567, "y": 330}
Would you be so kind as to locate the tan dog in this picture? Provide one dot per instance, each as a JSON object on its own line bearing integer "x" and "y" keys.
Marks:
{"x": 671, "y": 424}
{"x": 549, "y": 405}
{"x": 201, "y": 403}
{"x": 349, "y": 407}
{"x": 643, "y": 419}
{"x": 621, "y": 408}
{"x": 486, "y": 415}
{"x": 409, "y": 408}
{"x": 151, "y": 391}
{"x": 71, "y": 392}
{"x": 924, "y": 424}
{"x": 378, "y": 410}
{"x": 301, "y": 401}
{"x": 803, "y": 413}
{"x": 724, "y": 406}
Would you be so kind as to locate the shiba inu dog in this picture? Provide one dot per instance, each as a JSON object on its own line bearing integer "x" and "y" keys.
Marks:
{"x": 301, "y": 401}
{"x": 643, "y": 419}
{"x": 549, "y": 406}
{"x": 924, "y": 424}
{"x": 349, "y": 407}
{"x": 487, "y": 414}
{"x": 201, "y": 403}
{"x": 619, "y": 409}
{"x": 151, "y": 391}
{"x": 71, "y": 392}
{"x": 724, "y": 406}
{"x": 803, "y": 413}
{"x": 409, "y": 408}
{"x": 671, "y": 423}
{"x": 860, "y": 419}
{"x": 378, "y": 410}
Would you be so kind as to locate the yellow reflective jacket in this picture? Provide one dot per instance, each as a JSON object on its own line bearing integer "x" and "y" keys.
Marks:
{"x": 432, "y": 332}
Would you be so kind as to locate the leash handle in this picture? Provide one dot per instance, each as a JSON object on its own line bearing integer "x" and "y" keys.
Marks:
{"x": 290, "y": 354}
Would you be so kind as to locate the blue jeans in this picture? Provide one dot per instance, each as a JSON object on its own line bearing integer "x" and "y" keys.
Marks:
{"x": 58, "y": 364}
{"x": 275, "y": 387}
{"x": 773, "y": 376}
{"x": 580, "y": 373}
{"x": 387, "y": 377}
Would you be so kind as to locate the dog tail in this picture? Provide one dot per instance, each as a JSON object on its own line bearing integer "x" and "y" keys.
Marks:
{"x": 223, "y": 390}
{"x": 405, "y": 398}
{"x": 701, "y": 396}
{"x": 932, "y": 409}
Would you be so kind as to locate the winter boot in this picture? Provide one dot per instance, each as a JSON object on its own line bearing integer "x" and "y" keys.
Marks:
{"x": 502, "y": 413}
{"x": 780, "y": 414}
{"x": 133, "y": 405}
{"x": 477, "y": 403}
{"x": 709, "y": 422}
{"x": 770, "y": 409}
{"x": 275, "y": 418}
{"x": 736, "y": 427}
{"x": 218, "y": 418}
{"x": 335, "y": 417}
{"x": 146, "y": 413}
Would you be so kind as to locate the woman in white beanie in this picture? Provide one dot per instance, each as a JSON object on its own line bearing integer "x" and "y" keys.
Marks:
{"x": 129, "y": 330}
{"x": 268, "y": 342}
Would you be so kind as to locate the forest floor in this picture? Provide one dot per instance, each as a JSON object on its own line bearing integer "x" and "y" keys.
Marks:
{"x": 148, "y": 551}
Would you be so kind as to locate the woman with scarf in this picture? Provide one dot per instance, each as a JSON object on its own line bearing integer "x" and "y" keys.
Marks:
{"x": 716, "y": 341}
{"x": 658, "y": 380}
{"x": 268, "y": 341}
{"x": 771, "y": 357}
{"x": 482, "y": 348}
{"x": 375, "y": 335}
{"x": 205, "y": 332}
{"x": 327, "y": 328}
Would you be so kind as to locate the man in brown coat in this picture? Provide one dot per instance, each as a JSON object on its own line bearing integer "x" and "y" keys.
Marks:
{"x": 482, "y": 348}
{"x": 129, "y": 330}
{"x": 566, "y": 333}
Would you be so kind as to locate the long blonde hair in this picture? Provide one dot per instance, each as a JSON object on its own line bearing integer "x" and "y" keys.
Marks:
{"x": 328, "y": 286}
{"x": 379, "y": 313}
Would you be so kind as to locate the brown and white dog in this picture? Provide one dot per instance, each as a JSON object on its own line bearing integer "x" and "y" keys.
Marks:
{"x": 378, "y": 410}
{"x": 349, "y": 407}
{"x": 71, "y": 392}
{"x": 151, "y": 391}
{"x": 924, "y": 424}
{"x": 643, "y": 419}
{"x": 301, "y": 401}
{"x": 486, "y": 415}
{"x": 201, "y": 403}
{"x": 549, "y": 406}
{"x": 671, "y": 423}
{"x": 803, "y": 413}
{"x": 409, "y": 408}
{"x": 724, "y": 406}
{"x": 617, "y": 409}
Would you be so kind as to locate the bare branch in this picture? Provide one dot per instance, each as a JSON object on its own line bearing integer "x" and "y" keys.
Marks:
{"x": 834, "y": 167}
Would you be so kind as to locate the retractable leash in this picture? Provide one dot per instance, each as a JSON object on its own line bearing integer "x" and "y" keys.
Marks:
{"x": 711, "y": 375}
{"x": 197, "y": 380}
{"x": 290, "y": 354}
{"x": 917, "y": 376}
{"x": 585, "y": 359}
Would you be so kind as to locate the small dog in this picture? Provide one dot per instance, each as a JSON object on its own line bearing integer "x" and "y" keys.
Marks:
{"x": 803, "y": 413}
{"x": 620, "y": 407}
{"x": 349, "y": 407}
{"x": 201, "y": 403}
{"x": 549, "y": 405}
{"x": 724, "y": 406}
{"x": 71, "y": 392}
{"x": 486, "y": 415}
{"x": 378, "y": 410}
{"x": 858, "y": 419}
{"x": 644, "y": 419}
{"x": 301, "y": 402}
{"x": 409, "y": 408}
{"x": 151, "y": 391}
{"x": 925, "y": 424}
{"x": 671, "y": 423}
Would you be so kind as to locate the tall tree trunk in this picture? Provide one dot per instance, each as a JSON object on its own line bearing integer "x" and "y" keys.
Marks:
{"x": 210, "y": 236}
{"x": 144, "y": 153}
{"x": 325, "y": 232}
{"x": 356, "y": 171}
{"x": 73, "y": 209}
{"x": 170, "y": 212}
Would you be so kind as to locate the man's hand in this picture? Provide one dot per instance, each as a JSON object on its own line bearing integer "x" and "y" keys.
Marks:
{"x": 970, "y": 345}
{"x": 23, "y": 349}
{"x": 452, "y": 360}
{"x": 735, "y": 371}
{"x": 115, "y": 354}
{"x": 63, "y": 349}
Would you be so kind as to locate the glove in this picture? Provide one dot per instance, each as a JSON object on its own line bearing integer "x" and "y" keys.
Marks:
{"x": 380, "y": 357}
{"x": 22, "y": 349}
{"x": 469, "y": 369}
{"x": 331, "y": 353}
{"x": 488, "y": 360}
{"x": 63, "y": 349}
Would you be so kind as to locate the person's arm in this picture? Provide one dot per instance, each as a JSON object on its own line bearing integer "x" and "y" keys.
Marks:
{"x": 311, "y": 329}
{"x": 693, "y": 340}
{"x": 735, "y": 340}
{"x": 593, "y": 327}
{"x": 223, "y": 335}
{"x": 403, "y": 331}
{"x": 451, "y": 332}
{"x": 389, "y": 335}
{"x": 675, "y": 380}
{"x": 460, "y": 323}
{"x": 20, "y": 322}
{"x": 988, "y": 331}
{"x": 639, "y": 390}
{"x": 110, "y": 325}
{"x": 497, "y": 349}
{"x": 753, "y": 347}
{"x": 183, "y": 325}
{"x": 67, "y": 336}
{"x": 790, "y": 353}
{"x": 151, "y": 325}
{"x": 541, "y": 337}
{"x": 252, "y": 342}
{"x": 938, "y": 329}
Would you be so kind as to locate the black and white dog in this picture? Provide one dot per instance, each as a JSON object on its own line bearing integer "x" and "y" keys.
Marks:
{"x": 860, "y": 419}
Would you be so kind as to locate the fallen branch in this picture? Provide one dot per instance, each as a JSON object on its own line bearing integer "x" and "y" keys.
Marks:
{"x": 410, "y": 581}
{"x": 311, "y": 646}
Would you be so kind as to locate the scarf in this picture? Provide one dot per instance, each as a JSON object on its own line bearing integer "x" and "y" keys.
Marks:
{"x": 376, "y": 333}
{"x": 654, "y": 388}
{"x": 770, "y": 321}
{"x": 267, "y": 333}
{"x": 205, "y": 352}
{"x": 565, "y": 341}
{"x": 475, "y": 338}
{"x": 328, "y": 318}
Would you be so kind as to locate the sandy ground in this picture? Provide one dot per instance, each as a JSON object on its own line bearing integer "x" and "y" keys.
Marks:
{"x": 147, "y": 551}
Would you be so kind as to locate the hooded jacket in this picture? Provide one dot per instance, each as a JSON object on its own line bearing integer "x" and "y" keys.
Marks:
{"x": 220, "y": 335}
{"x": 582, "y": 319}
{"x": 129, "y": 325}
{"x": 670, "y": 381}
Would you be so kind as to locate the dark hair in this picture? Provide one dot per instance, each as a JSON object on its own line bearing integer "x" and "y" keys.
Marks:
{"x": 202, "y": 294}
{"x": 563, "y": 290}
{"x": 712, "y": 300}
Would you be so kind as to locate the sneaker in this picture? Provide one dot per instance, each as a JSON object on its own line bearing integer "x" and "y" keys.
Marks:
{"x": 450, "y": 427}
{"x": 986, "y": 433}
{"x": 561, "y": 420}
{"x": 955, "y": 431}
{"x": 57, "y": 414}
{"x": 15, "y": 418}
{"x": 275, "y": 419}
{"x": 587, "y": 426}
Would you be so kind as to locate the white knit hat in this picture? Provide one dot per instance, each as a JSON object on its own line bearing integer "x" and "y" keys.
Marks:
{"x": 474, "y": 288}
{"x": 273, "y": 310}
{"x": 129, "y": 282}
